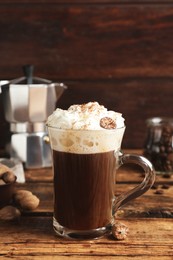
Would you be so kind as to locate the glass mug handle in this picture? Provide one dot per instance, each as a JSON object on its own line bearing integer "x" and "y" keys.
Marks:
{"x": 140, "y": 188}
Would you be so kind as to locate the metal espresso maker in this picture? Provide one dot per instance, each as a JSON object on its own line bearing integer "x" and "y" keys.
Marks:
{"x": 28, "y": 101}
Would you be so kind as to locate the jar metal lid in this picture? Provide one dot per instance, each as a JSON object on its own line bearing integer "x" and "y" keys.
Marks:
{"x": 159, "y": 121}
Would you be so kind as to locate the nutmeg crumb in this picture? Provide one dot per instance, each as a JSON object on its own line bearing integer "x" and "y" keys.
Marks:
{"x": 120, "y": 231}
{"x": 9, "y": 177}
{"x": 159, "y": 191}
{"x": 9, "y": 213}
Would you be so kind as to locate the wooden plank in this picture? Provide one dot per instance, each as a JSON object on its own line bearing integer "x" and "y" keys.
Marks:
{"x": 90, "y": 257}
{"x": 85, "y": 2}
{"x": 87, "y": 42}
{"x": 35, "y": 237}
{"x": 39, "y": 175}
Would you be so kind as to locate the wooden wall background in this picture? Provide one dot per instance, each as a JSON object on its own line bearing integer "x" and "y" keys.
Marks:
{"x": 119, "y": 53}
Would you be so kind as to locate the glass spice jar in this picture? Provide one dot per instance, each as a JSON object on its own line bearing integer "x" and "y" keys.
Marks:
{"x": 159, "y": 144}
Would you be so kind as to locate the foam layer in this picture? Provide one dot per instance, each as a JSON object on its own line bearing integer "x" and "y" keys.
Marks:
{"x": 85, "y": 141}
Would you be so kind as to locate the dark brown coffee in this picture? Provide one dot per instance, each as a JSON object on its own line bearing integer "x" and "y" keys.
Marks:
{"x": 83, "y": 189}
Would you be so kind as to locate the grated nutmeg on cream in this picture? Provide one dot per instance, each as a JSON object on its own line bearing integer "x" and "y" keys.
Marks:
{"x": 89, "y": 116}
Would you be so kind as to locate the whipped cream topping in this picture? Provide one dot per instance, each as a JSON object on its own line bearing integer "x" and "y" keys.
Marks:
{"x": 89, "y": 116}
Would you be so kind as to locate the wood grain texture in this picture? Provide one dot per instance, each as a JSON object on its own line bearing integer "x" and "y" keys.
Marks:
{"x": 119, "y": 53}
{"x": 86, "y": 2}
{"x": 35, "y": 237}
{"x": 81, "y": 42}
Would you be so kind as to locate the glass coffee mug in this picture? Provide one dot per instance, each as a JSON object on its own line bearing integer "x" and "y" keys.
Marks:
{"x": 85, "y": 163}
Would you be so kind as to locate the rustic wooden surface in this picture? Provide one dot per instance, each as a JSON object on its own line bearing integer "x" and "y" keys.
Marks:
{"x": 149, "y": 218}
{"x": 119, "y": 53}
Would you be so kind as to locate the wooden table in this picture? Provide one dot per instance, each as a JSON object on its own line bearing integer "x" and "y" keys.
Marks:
{"x": 149, "y": 218}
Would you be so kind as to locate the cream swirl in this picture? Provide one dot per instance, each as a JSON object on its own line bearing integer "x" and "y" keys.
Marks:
{"x": 85, "y": 117}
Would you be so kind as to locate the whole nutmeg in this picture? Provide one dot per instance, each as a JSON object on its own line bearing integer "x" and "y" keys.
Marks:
{"x": 9, "y": 213}
{"x": 29, "y": 202}
{"x": 6, "y": 174}
{"x": 7, "y": 185}
{"x": 9, "y": 177}
{"x": 26, "y": 200}
{"x": 107, "y": 123}
{"x": 3, "y": 169}
{"x": 19, "y": 194}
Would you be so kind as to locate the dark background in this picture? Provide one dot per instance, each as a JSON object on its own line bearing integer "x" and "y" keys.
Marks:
{"x": 119, "y": 53}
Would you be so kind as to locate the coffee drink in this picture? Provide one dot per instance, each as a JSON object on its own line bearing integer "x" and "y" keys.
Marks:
{"x": 85, "y": 142}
